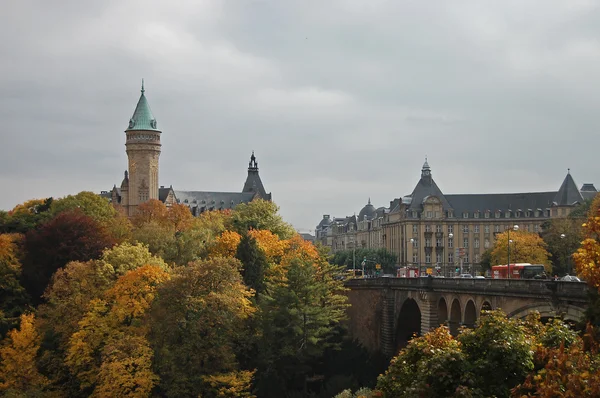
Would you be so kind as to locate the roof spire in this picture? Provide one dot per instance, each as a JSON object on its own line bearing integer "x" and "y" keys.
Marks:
{"x": 426, "y": 170}
{"x": 568, "y": 171}
{"x": 142, "y": 118}
{"x": 369, "y": 200}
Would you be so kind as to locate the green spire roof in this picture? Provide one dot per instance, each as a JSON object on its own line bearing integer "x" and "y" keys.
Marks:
{"x": 142, "y": 118}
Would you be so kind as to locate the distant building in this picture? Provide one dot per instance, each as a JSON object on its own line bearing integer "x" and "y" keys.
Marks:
{"x": 140, "y": 182}
{"x": 430, "y": 229}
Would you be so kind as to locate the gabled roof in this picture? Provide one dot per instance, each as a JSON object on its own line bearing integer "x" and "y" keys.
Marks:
{"x": 568, "y": 194}
{"x": 142, "y": 118}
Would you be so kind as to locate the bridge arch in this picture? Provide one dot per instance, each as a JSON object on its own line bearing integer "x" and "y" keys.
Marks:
{"x": 455, "y": 317}
{"x": 470, "y": 314}
{"x": 408, "y": 323}
{"x": 442, "y": 311}
{"x": 567, "y": 312}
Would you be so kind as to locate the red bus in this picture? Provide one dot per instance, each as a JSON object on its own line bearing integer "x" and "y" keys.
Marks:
{"x": 518, "y": 271}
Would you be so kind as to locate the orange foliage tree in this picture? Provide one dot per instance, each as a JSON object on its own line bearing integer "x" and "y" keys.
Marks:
{"x": 269, "y": 243}
{"x": 587, "y": 257}
{"x": 225, "y": 245}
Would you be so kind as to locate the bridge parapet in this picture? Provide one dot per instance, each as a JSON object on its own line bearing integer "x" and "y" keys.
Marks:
{"x": 577, "y": 291}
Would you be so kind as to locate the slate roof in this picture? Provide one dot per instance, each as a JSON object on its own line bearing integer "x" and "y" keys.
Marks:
{"x": 253, "y": 182}
{"x": 568, "y": 193}
{"x": 427, "y": 187}
{"x": 588, "y": 191}
{"x": 142, "y": 118}
{"x": 471, "y": 203}
{"x": 163, "y": 193}
{"x": 213, "y": 200}
{"x": 369, "y": 211}
{"x": 325, "y": 222}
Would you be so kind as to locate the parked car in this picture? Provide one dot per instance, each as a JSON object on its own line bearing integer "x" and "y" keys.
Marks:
{"x": 570, "y": 278}
{"x": 465, "y": 276}
{"x": 479, "y": 277}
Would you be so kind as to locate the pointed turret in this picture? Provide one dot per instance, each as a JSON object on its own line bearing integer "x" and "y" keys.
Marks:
{"x": 568, "y": 194}
{"x": 142, "y": 118}
{"x": 253, "y": 182}
{"x": 426, "y": 187}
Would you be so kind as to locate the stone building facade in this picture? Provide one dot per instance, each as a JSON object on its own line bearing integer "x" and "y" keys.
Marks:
{"x": 140, "y": 182}
{"x": 430, "y": 229}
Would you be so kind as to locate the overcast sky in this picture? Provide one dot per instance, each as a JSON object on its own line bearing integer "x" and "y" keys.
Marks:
{"x": 341, "y": 100}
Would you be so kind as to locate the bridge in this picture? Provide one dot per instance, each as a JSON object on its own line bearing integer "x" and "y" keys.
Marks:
{"x": 386, "y": 312}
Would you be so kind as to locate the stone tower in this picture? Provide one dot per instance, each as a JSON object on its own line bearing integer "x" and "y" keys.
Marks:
{"x": 143, "y": 149}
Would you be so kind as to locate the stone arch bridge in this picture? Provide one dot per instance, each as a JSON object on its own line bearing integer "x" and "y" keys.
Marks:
{"x": 386, "y": 312}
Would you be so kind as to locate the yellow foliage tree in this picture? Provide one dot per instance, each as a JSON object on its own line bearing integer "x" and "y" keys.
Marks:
{"x": 587, "y": 257}
{"x": 231, "y": 385}
{"x": 269, "y": 243}
{"x": 526, "y": 247}
{"x": 18, "y": 370}
{"x": 96, "y": 354}
{"x": 225, "y": 245}
{"x": 126, "y": 369}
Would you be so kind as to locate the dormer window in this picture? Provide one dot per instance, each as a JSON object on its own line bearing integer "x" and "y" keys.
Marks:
{"x": 498, "y": 213}
{"x": 414, "y": 214}
{"x": 465, "y": 214}
{"x": 476, "y": 214}
{"x": 487, "y": 214}
{"x": 450, "y": 214}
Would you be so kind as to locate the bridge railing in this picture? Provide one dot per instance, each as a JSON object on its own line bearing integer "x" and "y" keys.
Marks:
{"x": 527, "y": 287}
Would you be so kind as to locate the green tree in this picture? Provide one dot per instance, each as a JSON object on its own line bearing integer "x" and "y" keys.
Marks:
{"x": 299, "y": 318}
{"x": 486, "y": 260}
{"x": 120, "y": 259}
{"x": 26, "y": 216}
{"x": 260, "y": 214}
{"x": 562, "y": 236}
{"x": 254, "y": 263}
{"x": 89, "y": 203}
{"x": 351, "y": 258}
{"x": 498, "y": 352}
{"x": 430, "y": 366}
{"x": 195, "y": 322}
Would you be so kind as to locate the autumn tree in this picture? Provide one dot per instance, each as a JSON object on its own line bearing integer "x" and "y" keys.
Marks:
{"x": 109, "y": 352}
{"x": 260, "y": 214}
{"x": 587, "y": 257}
{"x": 70, "y": 236}
{"x": 525, "y": 247}
{"x": 18, "y": 369}
{"x": 120, "y": 259}
{"x": 13, "y": 297}
{"x": 225, "y": 245}
{"x": 151, "y": 210}
{"x": 195, "y": 322}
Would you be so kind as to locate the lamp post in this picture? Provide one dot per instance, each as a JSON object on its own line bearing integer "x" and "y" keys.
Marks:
{"x": 562, "y": 237}
{"x": 450, "y": 236}
{"x": 412, "y": 242}
{"x": 516, "y": 228}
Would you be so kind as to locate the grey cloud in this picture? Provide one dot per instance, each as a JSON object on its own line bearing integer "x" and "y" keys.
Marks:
{"x": 341, "y": 100}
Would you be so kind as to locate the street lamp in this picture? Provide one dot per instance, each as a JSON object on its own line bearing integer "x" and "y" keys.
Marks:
{"x": 450, "y": 236}
{"x": 562, "y": 237}
{"x": 412, "y": 242}
{"x": 515, "y": 228}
